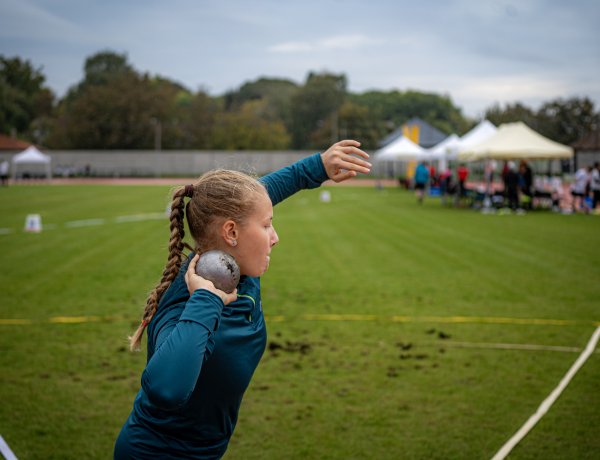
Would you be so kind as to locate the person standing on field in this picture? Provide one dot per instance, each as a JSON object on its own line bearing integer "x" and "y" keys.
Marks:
{"x": 421, "y": 180}
{"x": 204, "y": 344}
{"x": 595, "y": 185}
{"x": 579, "y": 189}
{"x": 462, "y": 173}
{"x": 4, "y": 167}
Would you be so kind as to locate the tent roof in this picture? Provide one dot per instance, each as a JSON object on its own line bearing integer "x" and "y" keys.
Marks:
{"x": 591, "y": 141}
{"x": 428, "y": 135}
{"x": 516, "y": 140}
{"x": 31, "y": 155}
{"x": 478, "y": 134}
{"x": 445, "y": 146}
{"x": 10, "y": 143}
{"x": 400, "y": 149}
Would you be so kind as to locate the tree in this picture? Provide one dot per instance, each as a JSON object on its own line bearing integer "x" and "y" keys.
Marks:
{"x": 117, "y": 115}
{"x": 23, "y": 96}
{"x": 394, "y": 108}
{"x": 276, "y": 92}
{"x": 566, "y": 121}
{"x": 115, "y": 107}
{"x": 354, "y": 122}
{"x": 314, "y": 105}
{"x": 192, "y": 119}
{"x": 512, "y": 113}
{"x": 248, "y": 129}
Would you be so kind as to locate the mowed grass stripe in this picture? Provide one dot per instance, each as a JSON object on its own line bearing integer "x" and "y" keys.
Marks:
{"x": 368, "y": 284}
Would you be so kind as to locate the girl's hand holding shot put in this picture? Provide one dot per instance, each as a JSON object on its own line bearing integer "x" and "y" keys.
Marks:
{"x": 195, "y": 282}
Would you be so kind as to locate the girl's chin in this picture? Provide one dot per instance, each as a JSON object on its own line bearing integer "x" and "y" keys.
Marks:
{"x": 259, "y": 270}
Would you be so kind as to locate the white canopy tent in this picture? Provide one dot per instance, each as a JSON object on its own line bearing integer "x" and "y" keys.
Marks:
{"x": 443, "y": 150}
{"x": 516, "y": 141}
{"x": 400, "y": 150}
{"x": 32, "y": 159}
{"x": 479, "y": 133}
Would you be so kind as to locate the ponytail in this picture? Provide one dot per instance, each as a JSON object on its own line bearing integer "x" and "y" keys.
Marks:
{"x": 217, "y": 194}
{"x": 174, "y": 261}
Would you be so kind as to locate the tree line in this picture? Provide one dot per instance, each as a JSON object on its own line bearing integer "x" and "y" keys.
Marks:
{"x": 115, "y": 106}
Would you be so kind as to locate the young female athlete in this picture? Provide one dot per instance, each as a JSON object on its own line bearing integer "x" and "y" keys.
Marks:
{"x": 204, "y": 344}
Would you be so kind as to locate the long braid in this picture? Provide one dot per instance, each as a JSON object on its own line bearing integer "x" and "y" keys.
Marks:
{"x": 217, "y": 195}
{"x": 174, "y": 261}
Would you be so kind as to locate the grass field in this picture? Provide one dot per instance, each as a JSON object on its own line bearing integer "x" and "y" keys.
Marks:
{"x": 382, "y": 319}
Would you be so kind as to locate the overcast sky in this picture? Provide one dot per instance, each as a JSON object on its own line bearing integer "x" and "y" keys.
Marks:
{"x": 479, "y": 52}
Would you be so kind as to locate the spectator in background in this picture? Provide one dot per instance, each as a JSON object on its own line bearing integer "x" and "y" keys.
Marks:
{"x": 595, "y": 185}
{"x": 445, "y": 183}
{"x": 421, "y": 179}
{"x": 556, "y": 193}
{"x": 579, "y": 189}
{"x": 4, "y": 172}
{"x": 526, "y": 183}
{"x": 462, "y": 172}
{"x": 511, "y": 184}
{"x": 433, "y": 179}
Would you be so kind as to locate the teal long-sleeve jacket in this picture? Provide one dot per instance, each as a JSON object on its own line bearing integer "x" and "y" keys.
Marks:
{"x": 201, "y": 356}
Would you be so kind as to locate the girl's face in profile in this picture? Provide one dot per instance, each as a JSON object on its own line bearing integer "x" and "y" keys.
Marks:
{"x": 256, "y": 238}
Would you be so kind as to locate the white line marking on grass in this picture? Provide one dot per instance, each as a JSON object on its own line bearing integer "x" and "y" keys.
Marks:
{"x": 512, "y": 346}
{"x": 141, "y": 217}
{"x": 5, "y": 450}
{"x": 93, "y": 222}
{"x": 547, "y": 403}
{"x": 84, "y": 223}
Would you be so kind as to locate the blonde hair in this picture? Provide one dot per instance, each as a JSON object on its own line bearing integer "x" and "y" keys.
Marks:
{"x": 216, "y": 196}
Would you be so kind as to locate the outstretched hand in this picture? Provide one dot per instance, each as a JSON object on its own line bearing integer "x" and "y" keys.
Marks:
{"x": 341, "y": 160}
{"x": 195, "y": 282}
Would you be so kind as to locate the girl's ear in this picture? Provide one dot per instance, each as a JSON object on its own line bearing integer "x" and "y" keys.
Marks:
{"x": 229, "y": 232}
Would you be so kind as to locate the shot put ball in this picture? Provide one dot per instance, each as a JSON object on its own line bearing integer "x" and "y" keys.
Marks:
{"x": 220, "y": 268}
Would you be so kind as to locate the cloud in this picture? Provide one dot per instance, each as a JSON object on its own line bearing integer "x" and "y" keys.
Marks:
{"x": 23, "y": 20}
{"x": 333, "y": 43}
{"x": 292, "y": 47}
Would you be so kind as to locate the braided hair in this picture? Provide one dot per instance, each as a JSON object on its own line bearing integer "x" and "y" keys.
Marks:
{"x": 217, "y": 196}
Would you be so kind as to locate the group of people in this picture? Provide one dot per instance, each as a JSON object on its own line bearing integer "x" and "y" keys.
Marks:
{"x": 519, "y": 191}
{"x": 426, "y": 174}
{"x": 585, "y": 190}
{"x": 518, "y": 185}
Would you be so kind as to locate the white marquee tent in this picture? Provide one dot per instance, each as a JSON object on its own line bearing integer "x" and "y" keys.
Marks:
{"x": 402, "y": 149}
{"x": 516, "y": 141}
{"x": 443, "y": 150}
{"x": 31, "y": 159}
{"x": 446, "y": 146}
{"x": 478, "y": 134}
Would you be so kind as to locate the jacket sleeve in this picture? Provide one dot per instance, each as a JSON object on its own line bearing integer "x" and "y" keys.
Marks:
{"x": 304, "y": 174}
{"x": 172, "y": 372}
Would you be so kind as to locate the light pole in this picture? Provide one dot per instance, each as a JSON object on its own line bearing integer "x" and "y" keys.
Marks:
{"x": 157, "y": 133}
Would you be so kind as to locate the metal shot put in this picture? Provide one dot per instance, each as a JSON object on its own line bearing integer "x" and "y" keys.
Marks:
{"x": 220, "y": 268}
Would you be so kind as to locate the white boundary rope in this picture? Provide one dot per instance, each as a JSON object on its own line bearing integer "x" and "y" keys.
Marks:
{"x": 545, "y": 406}
{"x": 5, "y": 450}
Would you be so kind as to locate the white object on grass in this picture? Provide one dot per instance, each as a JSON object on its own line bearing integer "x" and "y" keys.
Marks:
{"x": 545, "y": 406}
{"x": 5, "y": 450}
